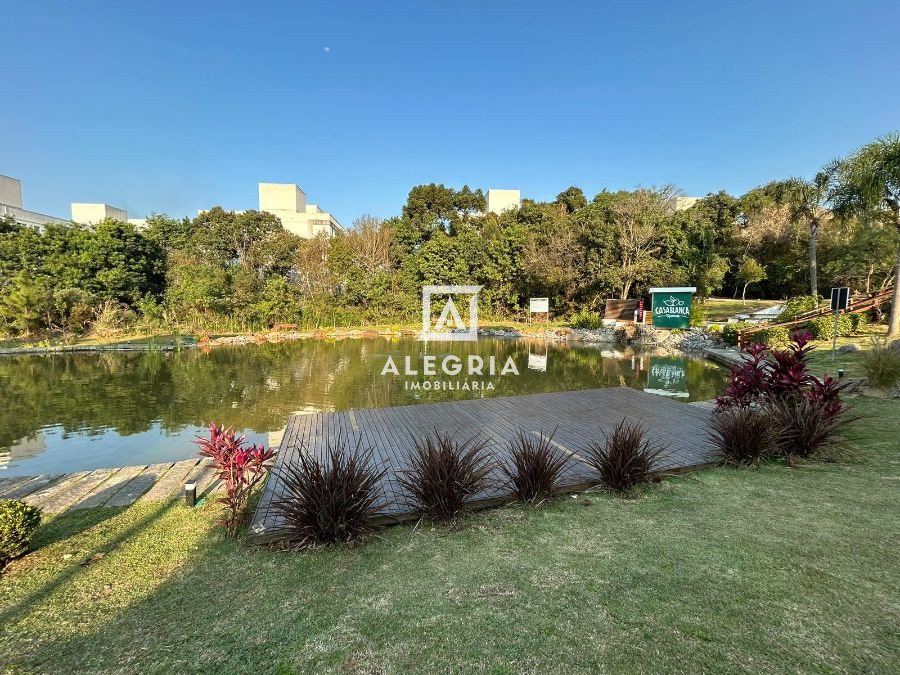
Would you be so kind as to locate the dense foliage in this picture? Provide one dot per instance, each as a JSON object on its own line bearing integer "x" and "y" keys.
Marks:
{"x": 226, "y": 270}
{"x": 18, "y": 522}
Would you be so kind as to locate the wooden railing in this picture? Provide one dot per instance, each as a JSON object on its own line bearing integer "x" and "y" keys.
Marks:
{"x": 859, "y": 303}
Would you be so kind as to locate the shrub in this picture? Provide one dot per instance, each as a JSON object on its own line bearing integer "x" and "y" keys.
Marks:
{"x": 804, "y": 426}
{"x": 823, "y": 327}
{"x": 798, "y": 305}
{"x": 625, "y": 459}
{"x": 859, "y": 321}
{"x": 748, "y": 382}
{"x": 331, "y": 501}
{"x": 443, "y": 473}
{"x": 741, "y": 436}
{"x": 730, "y": 331}
{"x": 714, "y": 328}
{"x": 698, "y": 315}
{"x": 773, "y": 373}
{"x": 18, "y": 522}
{"x": 238, "y": 467}
{"x": 534, "y": 468}
{"x": 776, "y": 335}
{"x": 587, "y": 320}
{"x": 881, "y": 363}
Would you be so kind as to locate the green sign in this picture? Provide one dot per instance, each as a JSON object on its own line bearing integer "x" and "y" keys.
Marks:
{"x": 672, "y": 307}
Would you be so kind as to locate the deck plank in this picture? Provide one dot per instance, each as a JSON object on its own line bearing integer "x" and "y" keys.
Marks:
{"x": 139, "y": 485}
{"x": 577, "y": 418}
{"x": 171, "y": 482}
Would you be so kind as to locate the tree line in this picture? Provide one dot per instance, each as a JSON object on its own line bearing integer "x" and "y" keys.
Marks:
{"x": 242, "y": 271}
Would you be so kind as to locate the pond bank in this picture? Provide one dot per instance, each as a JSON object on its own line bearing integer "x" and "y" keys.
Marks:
{"x": 694, "y": 340}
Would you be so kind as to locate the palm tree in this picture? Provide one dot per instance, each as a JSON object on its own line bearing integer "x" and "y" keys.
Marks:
{"x": 868, "y": 184}
{"x": 806, "y": 200}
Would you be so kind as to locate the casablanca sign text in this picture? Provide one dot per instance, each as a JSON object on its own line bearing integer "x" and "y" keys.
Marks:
{"x": 672, "y": 306}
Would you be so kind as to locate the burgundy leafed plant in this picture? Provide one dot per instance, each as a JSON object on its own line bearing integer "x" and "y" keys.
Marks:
{"x": 774, "y": 373}
{"x": 240, "y": 468}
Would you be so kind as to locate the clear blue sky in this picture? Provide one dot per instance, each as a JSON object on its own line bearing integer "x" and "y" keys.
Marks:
{"x": 175, "y": 106}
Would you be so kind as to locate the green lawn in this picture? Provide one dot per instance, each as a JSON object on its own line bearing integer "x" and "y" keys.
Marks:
{"x": 719, "y": 309}
{"x": 770, "y": 569}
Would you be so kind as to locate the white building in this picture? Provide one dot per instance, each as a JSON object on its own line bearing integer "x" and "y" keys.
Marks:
{"x": 499, "y": 201}
{"x": 288, "y": 202}
{"x": 91, "y": 214}
{"x": 11, "y": 205}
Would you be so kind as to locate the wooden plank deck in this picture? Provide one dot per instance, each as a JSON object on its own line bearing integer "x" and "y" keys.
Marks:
{"x": 574, "y": 417}
{"x": 113, "y": 488}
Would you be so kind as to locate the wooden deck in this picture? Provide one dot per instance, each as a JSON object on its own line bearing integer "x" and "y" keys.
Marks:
{"x": 577, "y": 417}
{"x": 56, "y": 493}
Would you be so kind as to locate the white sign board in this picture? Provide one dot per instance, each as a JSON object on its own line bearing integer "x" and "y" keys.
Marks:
{"x": 539, "y": 305}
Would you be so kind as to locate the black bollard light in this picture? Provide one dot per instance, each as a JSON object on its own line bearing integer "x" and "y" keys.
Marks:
{"x": 840, "y": 373}
{"x": 190, "y": 494}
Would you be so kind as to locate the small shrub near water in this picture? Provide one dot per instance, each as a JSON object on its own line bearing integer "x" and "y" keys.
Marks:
{"x": 586, "y": 320}
{"x": 881, "y": 363}
{"x": 443, "y": 473}
{"x": 730, "y": 331}
{"x": 741, "y": 436}
{"x": 239, "y": 468}
{"x": 332, "y": 501}
{"x": 625, "y": 459}
{"x": 18, "y": 522}
{"x": 534, "y": 467}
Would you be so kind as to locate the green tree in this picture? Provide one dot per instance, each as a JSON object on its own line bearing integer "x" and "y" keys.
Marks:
{"x": 868, "y": 184}
{"x": 806, "y": 200}
{"x": 750, "y": 272}
{"x": 26, "y": 304}
{"x": 571, "y": 199}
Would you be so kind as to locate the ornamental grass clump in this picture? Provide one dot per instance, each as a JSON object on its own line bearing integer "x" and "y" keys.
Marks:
{"x": 625, "y": 459}
{"x": 332, "y": 499}
{"x": 533, "y": 468}
{"x": 807, "y": 427}
{"x": 443, "y": 473}
{"x": 741, "y": 436}
{"x": 240, "y": 468}
{"x": 881, "y": 363}
{"x": 18, "y": 523}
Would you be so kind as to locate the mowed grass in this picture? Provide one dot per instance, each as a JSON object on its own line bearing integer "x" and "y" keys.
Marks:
{"x": 724, "y": 570}
{"x": 719, "y": 309}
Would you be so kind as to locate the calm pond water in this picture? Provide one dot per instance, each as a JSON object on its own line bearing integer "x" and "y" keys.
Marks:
{"x": 72, "y": 412}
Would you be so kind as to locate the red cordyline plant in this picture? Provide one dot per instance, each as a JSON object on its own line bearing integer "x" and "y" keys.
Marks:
{"x": 768, "y": 374}
{"x": 240, "y": 469}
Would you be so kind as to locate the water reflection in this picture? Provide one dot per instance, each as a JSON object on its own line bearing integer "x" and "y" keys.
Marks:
{"x": 69, "y": 412}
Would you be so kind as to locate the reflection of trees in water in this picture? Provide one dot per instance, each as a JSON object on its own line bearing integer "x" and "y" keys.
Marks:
{"x": 258, "y": 386}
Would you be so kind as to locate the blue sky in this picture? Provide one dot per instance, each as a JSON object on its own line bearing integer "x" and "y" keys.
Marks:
{"x": 175, "y": 106}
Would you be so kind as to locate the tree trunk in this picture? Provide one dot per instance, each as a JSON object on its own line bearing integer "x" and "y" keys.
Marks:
{"x": 744, "y": 294}
{"x": 894, "y": 321}
{"x": 813, "y": 236}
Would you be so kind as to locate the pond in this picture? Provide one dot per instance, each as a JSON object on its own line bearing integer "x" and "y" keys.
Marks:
{"x": 80, "y": 411}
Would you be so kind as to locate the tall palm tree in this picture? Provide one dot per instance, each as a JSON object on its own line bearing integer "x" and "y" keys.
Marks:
{"x": 868, "y": 184}
{"x": 807, "y": 200}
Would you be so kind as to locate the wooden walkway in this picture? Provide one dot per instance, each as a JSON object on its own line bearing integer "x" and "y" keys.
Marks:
{"x": 56, "y": 493}
{"x": 577, "y": 416}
